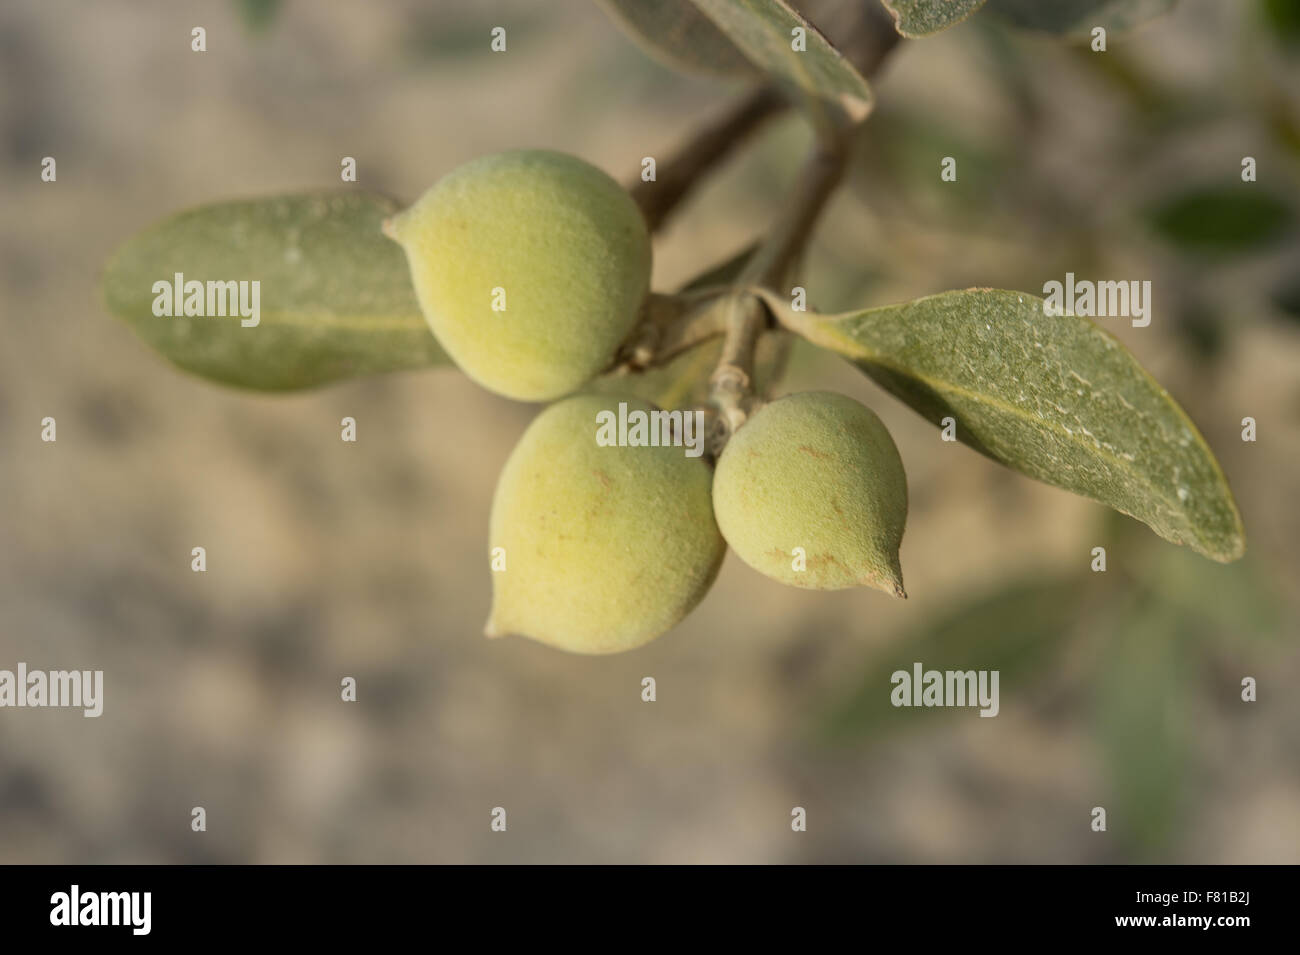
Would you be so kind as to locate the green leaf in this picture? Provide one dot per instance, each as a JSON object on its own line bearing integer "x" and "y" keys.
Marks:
{"x": 678, "y": 35}
{"x": 1054, "y": 397}
{"x": 1077, "y": 18}
{"x": 336, "y": 299}
{"x": 1018, "y": 630}
{"x": 916, "y": 18}
{"x": 831, "y": 90}
{"x": 1222, "y": 220}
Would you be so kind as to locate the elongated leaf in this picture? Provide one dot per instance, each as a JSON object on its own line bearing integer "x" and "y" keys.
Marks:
{"x": 1054, "y": 397}
{"x": 335, "y": 297}
{"x": 917, "y": 18}
{"x": 1078, "y": 17}
{"x": 765, "y": 31}
{"x": 677, "y": 34}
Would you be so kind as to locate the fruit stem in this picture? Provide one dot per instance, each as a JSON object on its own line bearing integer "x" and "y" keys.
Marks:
{"x": 731, "y": 386}
{"x": 732, "y": 382}
{"x": 668, "y": 326}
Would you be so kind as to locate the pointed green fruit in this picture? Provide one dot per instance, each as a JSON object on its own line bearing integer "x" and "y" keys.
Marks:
{"x": 530, "y": 268}
{"x": 811, "y": 492}
{"x": 603, "y": 547}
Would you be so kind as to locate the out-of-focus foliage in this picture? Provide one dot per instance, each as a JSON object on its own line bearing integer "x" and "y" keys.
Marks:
{"x": 258, "y": 15}
{"x": 1222, "y": 220}
{"x": 1078, "y": 17}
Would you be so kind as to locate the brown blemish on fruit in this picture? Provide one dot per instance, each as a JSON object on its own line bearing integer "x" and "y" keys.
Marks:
{"x": 815, "y": 453}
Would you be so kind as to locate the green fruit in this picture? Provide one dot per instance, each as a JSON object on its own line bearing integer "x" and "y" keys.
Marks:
{"x": 556, "y": 241}
{"x": 816, "y": 471}
{"x": 605, "y": 548}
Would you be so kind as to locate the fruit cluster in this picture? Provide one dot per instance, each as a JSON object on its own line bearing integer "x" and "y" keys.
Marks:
{"x": 532, "y": 268}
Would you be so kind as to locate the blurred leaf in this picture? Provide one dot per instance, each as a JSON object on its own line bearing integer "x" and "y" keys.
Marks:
{"x": 916, "y": 18}
{"x": 1283, "y": 18}
{"x": 441, "y": 34}
{"x": 1054, "y": 397}
{"x": 1222, "y": 220}
{"x": 900, "y": 147}
{"x": 1202, "y": 328}
{"x": 1018, "y": 630}
{"x": 831, "y": 90}
{"x": 1220, "y": 605}
{"x": 258, "y": 14}
{"x": 1287, "y": 296}
{"x": 677, "y": 34}
{"x": 1077, "y": 18}
{"x": 1142, "y": 715}
{"x": 336, "y": 299}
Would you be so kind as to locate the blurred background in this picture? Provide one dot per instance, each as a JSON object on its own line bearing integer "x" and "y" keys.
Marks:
{"x": 328, "y": 560}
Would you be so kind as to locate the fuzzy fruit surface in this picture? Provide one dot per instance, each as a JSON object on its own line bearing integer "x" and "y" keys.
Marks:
{"x": 551, "y": 238}
{"x": 816, "y": 471}
{"x": 605, "y": 547}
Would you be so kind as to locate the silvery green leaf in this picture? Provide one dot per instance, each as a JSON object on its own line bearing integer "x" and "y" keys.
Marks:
{"x": 1052, "y": 396}
{"x": 916, "y": 18}
{"x": 829, "y": 87}
{"x": 335, "y": 297}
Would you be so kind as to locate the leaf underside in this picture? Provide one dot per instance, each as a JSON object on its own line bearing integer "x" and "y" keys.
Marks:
{"x": 677, "y": 34}
{"x": 1054, "y": 397}
{"x": 335, "y": 296}
{"x": 830, "y": 89}
{"x": 918, "y": 18}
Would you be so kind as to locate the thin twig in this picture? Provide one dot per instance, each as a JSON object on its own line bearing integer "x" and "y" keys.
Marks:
{"x": 786, "y": 240}
{"x": 677, "y": 175}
